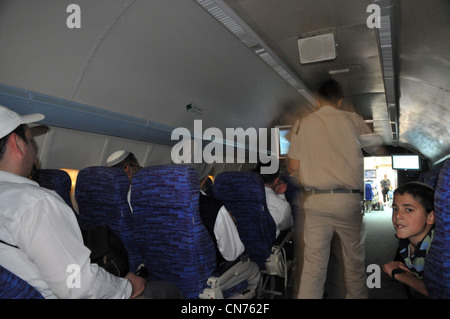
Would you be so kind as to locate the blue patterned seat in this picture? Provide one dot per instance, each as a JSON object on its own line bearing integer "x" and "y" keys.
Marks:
{"x": 437, "y": 265}
{"x": 243, "y": 195}
{"x": 101, "y": 194}
{"x": 430, "y": 177}
{"x": 57, "y": 180}
{"x": 13, "y": 287}
{"x": 175, "y": 244}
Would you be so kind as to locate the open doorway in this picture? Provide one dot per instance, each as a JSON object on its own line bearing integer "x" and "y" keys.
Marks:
{"x": 378, "y": 172}
{"x": 380, "y": 241}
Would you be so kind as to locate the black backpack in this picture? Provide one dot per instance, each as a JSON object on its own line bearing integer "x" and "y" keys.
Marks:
{"x": 107, "y": 250}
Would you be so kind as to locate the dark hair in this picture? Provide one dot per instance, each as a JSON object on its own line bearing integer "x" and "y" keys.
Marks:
{"x": 129, "y": 160}
{"x": 20, "y": 131}
{"x": 423, "y": 193}
{"x": 331, "y": 91}
{"x": 267, "y": 178}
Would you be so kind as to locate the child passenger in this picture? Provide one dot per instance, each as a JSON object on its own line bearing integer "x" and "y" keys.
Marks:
{"x": 413, "y": 220}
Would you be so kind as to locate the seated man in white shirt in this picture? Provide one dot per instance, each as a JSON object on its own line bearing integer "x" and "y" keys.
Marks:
{"x": 221, "y": 226}
{"x": 43, "y": 242}
{"x": 278, "y": 206}
{"x": 223, "y": 231}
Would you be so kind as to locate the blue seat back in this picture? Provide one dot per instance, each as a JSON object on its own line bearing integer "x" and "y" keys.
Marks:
{"x": 101, "y": 194}
{"x": 57, "y": 180}
{"x": 175, "y": 244}
{"x": 430, "y": 177}
{"x": 244, "y": 196}
{"x": 437, "y": 264}
{"x": 13, "y": 287}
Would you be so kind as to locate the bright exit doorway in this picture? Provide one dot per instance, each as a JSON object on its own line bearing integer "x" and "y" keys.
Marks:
{"x": 376, "y": 169}
{"x": 380, "y": 241}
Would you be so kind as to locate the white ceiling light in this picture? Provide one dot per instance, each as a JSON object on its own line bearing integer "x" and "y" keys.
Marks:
{"x": 317, "y": 48}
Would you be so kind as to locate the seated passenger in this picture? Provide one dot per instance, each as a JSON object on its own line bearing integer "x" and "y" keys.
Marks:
{"x": 278, "y": 206}
{"x": 221, "y": 226}
{"x": 413, "y": 220}
{"x": 126, "y": 161}
{"x": 43, "y": 243}
{"x": 368, "y": 196}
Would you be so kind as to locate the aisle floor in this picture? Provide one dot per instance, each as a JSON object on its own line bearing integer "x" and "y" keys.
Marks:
{"x": 381, "y": 246}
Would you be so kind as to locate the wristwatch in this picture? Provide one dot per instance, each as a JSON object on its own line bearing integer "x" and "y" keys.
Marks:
{"x": 395, "y": 272}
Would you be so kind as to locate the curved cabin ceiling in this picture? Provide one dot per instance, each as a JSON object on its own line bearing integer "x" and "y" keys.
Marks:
{"x": 401, "y": 70}
{"x": 144, "y": 61}
{"x": 147, "y": 59}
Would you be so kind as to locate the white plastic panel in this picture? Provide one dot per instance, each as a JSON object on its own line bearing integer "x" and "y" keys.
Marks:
{"x": 65, "y": 148}
{"x": 159, "y": 155}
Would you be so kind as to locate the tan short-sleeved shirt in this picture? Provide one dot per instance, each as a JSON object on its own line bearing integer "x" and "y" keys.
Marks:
{"x": 328, "y": 145}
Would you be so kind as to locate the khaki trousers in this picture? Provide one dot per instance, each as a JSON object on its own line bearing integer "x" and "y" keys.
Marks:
{"x": 324, "y": 215}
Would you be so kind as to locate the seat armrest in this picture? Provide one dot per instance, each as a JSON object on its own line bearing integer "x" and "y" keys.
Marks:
{"x": 232, "y": 269}
{"x": 284, "y": 236}
{"x": 227, "y": 271}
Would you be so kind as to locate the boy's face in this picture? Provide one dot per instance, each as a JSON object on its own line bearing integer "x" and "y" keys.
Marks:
{"x": 410, "y": 219}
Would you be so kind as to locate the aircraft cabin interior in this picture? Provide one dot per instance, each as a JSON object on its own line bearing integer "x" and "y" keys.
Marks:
{"x": 124, "y": 74}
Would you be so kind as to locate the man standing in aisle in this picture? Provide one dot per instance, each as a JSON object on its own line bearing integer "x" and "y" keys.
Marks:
{"x": 326, "y": 153}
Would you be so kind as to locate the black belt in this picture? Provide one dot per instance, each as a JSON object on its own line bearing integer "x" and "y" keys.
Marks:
{"x": 334, "y": 191}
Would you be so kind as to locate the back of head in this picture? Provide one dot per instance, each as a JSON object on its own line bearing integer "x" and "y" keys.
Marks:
{"x": 267, "y": 178}
{"x": 421, "y": 192}
{"x": 124, "y": 160}
{"x": 331, "y": 91}
{"x": 121, "y": 159}
{"x": 11, "y": 122}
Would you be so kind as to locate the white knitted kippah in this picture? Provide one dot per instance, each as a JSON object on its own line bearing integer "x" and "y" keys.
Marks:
{"x": 117, "y": 157}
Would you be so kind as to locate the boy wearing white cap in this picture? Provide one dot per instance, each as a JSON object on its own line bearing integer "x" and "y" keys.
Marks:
{"x": 42, "y": 242}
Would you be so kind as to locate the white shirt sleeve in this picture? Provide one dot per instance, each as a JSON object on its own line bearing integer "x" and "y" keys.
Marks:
{"x": 50, "y": 237}
{"x": 294, "y": 151}
{"x": 369, "y": 141}
{"x": 286, "y": 221}
{"x": 280, "y": 209}
{"x": 227, "y": 236}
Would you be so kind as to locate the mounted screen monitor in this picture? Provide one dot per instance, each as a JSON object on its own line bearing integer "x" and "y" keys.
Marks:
{"x": 283, "y": 140}
{"x": 370, "y": 174}
{"x": 406, "y": 162}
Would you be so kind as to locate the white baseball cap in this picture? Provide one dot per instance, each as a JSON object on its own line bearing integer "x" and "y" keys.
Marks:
{"x": 10, "y": 120}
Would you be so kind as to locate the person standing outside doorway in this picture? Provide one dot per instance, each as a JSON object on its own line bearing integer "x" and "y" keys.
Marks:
{"x": 385, "y": 186}
{"x": 326, "y": 154}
